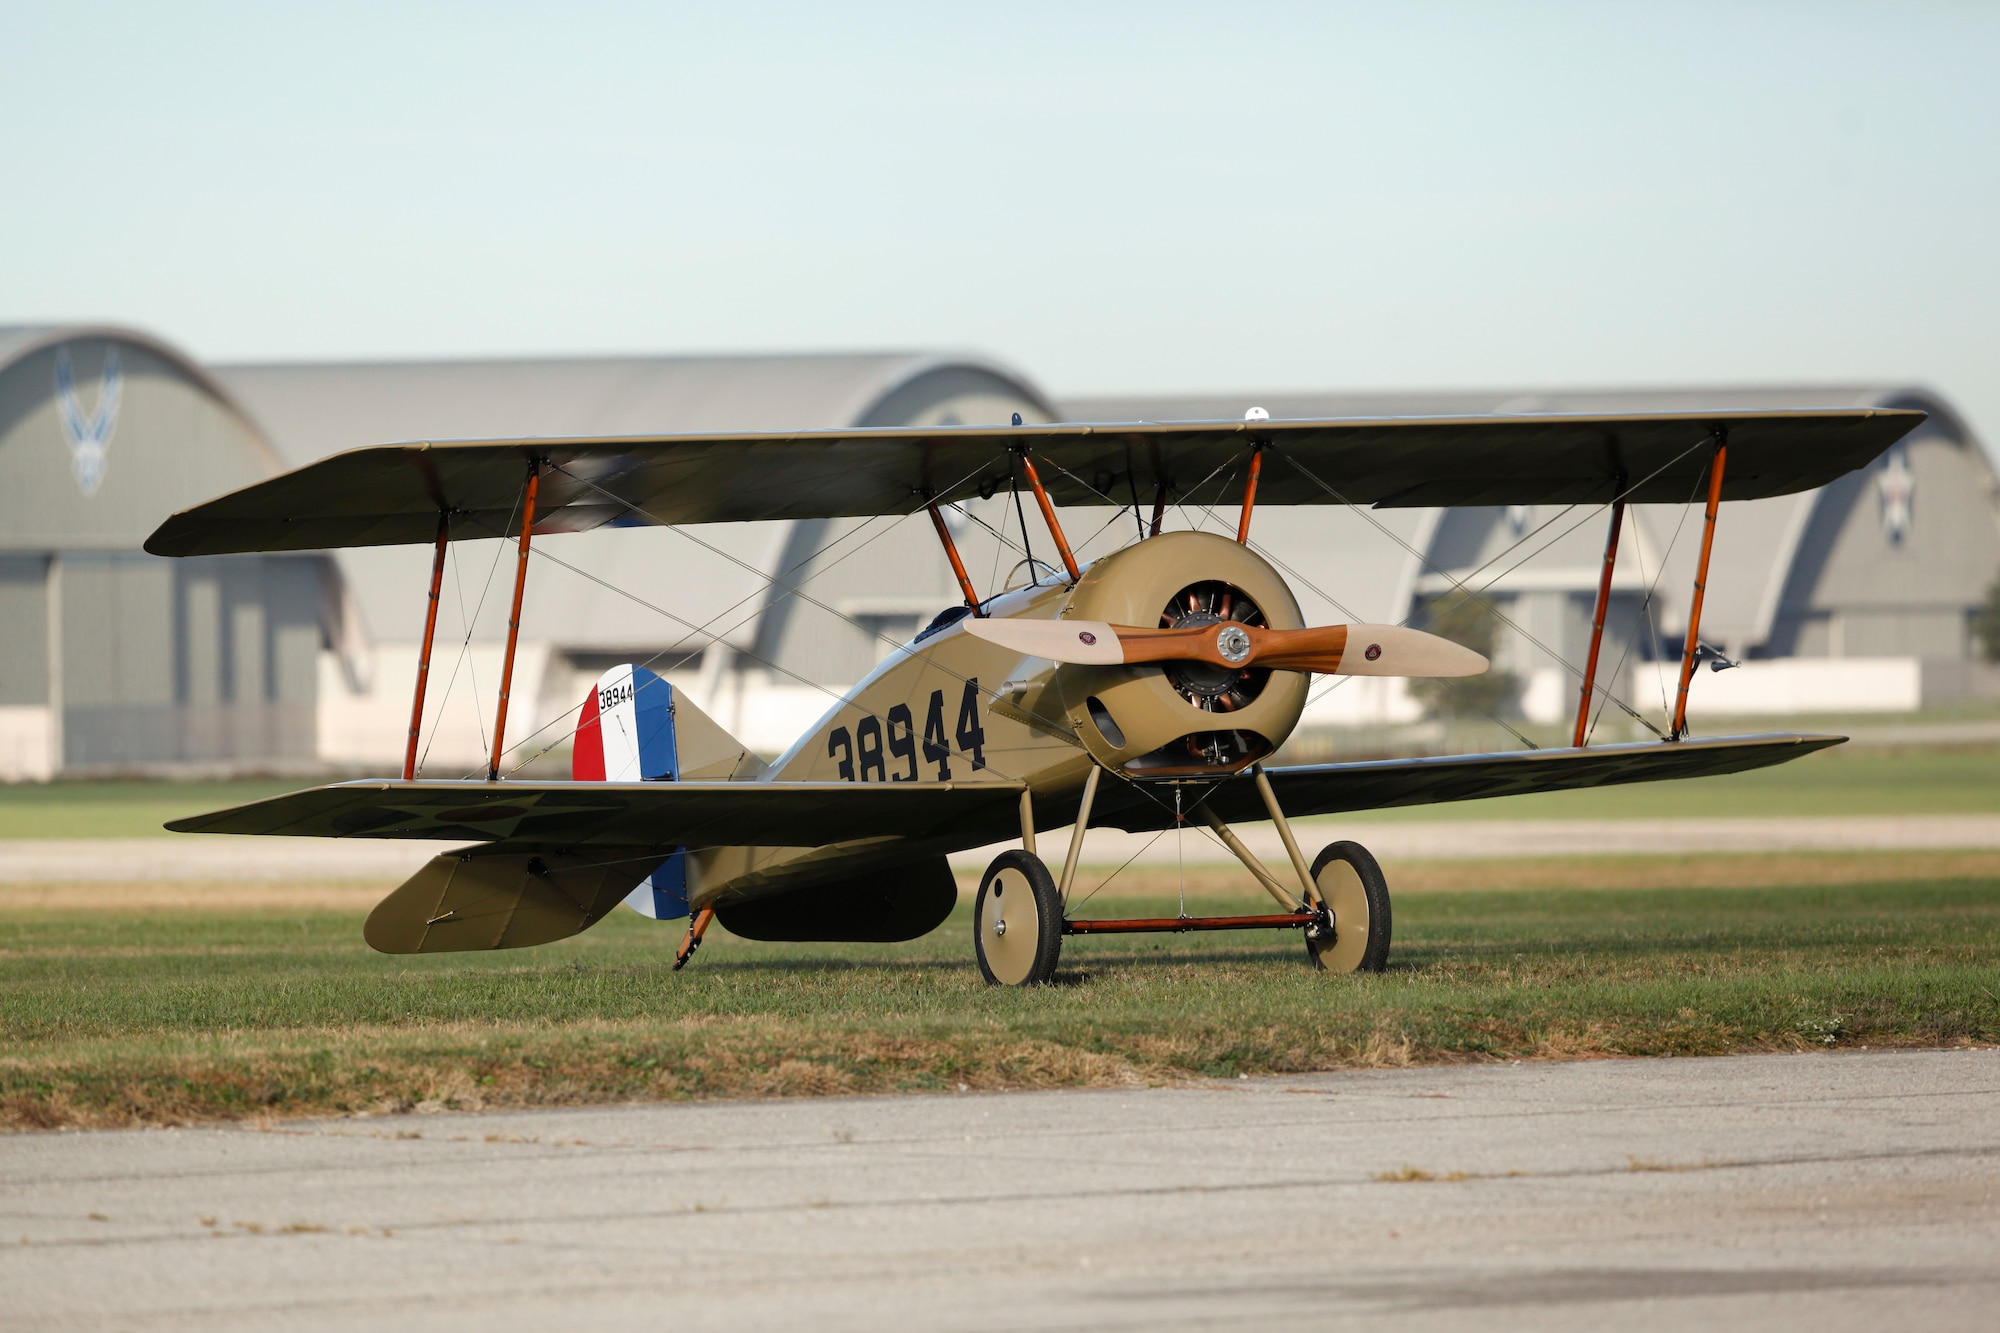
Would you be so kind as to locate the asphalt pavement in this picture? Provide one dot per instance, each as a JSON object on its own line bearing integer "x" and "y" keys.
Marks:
{"x": 1821, "y": 1191}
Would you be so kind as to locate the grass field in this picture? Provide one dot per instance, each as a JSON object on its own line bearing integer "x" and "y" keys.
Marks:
{"x": 118, "y": 1007}
{"x": 1843, "y": 781}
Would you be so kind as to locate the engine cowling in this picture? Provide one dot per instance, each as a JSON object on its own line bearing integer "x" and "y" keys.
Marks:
{"x": 1182, "y": 719}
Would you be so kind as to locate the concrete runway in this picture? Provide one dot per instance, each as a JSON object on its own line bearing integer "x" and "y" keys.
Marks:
{"x": 1816, "y": 1191}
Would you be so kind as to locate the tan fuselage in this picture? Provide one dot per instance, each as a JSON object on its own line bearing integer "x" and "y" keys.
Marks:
{"x": 956, "y": 708}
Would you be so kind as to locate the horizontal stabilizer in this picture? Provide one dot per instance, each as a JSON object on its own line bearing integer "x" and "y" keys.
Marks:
{"x": 500, "y": 899}
{"x": 625, "y": 814}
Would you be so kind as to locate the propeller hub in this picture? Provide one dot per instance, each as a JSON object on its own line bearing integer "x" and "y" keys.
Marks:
{"x": 1211, "y": 688}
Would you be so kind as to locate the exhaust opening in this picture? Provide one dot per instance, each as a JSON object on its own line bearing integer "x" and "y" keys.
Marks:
{"x": 1107, "y": 725}
{"x": 1201, "y": 752}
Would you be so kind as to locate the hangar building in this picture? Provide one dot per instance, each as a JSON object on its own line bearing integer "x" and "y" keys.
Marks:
{"x": 110, "y": 658}
{"x": 1856, "y": 596}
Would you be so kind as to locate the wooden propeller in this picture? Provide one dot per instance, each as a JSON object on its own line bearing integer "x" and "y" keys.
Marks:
{"x": 1334, "y": 650}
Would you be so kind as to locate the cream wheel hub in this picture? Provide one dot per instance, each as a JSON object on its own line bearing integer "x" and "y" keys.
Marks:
{"x": 1347, "y": 898}
{"x": 1012, "y": 927}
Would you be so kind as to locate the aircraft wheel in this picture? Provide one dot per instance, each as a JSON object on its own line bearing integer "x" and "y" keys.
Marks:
{"x": 1017, "y": 921}
{"x": 1352, "y": 884}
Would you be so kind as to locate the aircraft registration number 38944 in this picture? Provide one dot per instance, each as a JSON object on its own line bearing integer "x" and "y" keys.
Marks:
{"x": 865, "y": 754}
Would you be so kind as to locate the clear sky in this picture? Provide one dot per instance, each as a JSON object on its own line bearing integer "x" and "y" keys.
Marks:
{"x": 1112, "y": 197}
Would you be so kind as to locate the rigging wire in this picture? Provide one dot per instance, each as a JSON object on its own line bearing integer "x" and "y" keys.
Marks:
{"x": 1071, "y": 906}
{"x": 1208, "y": 514}
{"x": 789, "y": 590}
{"x": 715, "y": 638}
{"x": 795, "y": 590}
{"x": 831, "y": 693}
{"x": 704, "y": 628}
{"x": 1452, "y": 579}
{"x": 1117, "y": 507}
{"x": 681, "y": 620}
{"x": 464, "y": 657}
{"x": 1459, "y": 584}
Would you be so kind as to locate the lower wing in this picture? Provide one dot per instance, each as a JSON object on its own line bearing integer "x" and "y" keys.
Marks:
{"x": 551, "y": 859}
{"x": 665, "y": 815}
{"x": 1327, "y": 789}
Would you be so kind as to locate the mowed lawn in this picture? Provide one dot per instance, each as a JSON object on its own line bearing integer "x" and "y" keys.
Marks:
{"x": 128, "y": 1014}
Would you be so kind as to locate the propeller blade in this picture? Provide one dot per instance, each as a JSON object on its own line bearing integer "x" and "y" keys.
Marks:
{"x": 1373, "y": 650}
{"x": 1083, "y": 642}
{"x": 1376, "y": 650}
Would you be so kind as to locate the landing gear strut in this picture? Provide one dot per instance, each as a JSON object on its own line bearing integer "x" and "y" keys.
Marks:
{"x": 1341, "y": 902}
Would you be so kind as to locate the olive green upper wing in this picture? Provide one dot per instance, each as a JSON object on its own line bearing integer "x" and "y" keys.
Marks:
{"x": 394, "y": 494}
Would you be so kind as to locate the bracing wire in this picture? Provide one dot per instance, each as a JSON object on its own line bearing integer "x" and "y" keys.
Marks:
{"x": 656, "y": 656}
{"x": 1460, "y": 584}
{"x": 464, "y": 657}
{"x": 1208, "y": 515}
{"x": 1646, "y": 610}
{"x": 1068, "y": 907}
{"x": 714, "y": 636}
{"x": 792, "y": 590}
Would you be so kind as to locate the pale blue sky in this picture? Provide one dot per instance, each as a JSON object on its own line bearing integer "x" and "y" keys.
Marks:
{"x": 1113, "y": 197}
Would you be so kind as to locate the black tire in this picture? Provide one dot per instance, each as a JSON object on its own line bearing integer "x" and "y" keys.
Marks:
{"x": 1028, "y": 958}
{"x": 1349, "y": 878}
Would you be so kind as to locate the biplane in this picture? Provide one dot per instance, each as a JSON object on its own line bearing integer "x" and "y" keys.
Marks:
{"x": 1144, "y": 690}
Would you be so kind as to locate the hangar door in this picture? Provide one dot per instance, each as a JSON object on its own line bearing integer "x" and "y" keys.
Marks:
{"x": 188, "y": 661}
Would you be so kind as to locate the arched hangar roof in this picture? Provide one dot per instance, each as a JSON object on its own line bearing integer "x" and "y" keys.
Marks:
{"x": 312, "y": 410}
{"x": 20, "y": 341}
{"x": 103, "y": 429}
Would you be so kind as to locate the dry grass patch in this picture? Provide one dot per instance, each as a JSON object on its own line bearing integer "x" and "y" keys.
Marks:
{"x": 183, "y": 1015}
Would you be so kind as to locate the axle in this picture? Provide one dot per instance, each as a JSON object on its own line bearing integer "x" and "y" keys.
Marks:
{"x": 1179, "y": 924}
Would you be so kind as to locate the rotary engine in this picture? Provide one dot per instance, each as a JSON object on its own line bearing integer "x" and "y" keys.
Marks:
{"x": 1183, "y": 718}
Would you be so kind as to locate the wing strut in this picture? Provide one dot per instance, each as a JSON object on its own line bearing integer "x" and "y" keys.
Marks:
{"x": 1049, "y": 514}
{"x": 424, "y": 657}
{"x": 514, "y": 619}
{"x": 1597, "y": 618}
{"x": 957, "y": 565}
{"x": 1715, "y": 468}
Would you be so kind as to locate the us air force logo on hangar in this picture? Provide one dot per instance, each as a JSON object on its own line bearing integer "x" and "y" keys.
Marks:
{"x": 89, "y": 436}
{"x": 1896, "y": 488}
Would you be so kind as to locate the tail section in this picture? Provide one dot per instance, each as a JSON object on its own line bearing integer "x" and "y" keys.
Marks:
{"x": 626, "y": 732}
{"x": 635, "y": 727}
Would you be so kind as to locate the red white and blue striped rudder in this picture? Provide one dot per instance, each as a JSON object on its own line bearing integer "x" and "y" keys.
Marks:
{"x": 626, "y": 734}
